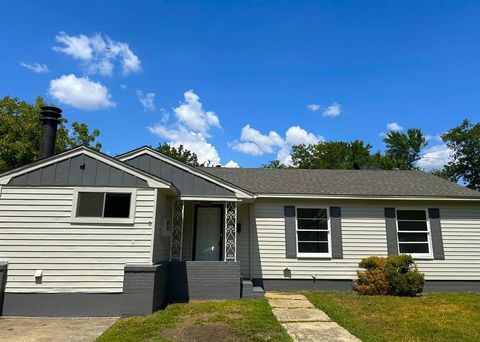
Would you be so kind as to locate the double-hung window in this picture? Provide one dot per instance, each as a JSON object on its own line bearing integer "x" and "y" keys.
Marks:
{"x": 413, "y": 231}
{"x": 104, "y": 206}
{"x": 313, "y": 232}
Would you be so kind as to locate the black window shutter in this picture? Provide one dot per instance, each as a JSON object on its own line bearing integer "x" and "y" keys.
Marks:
{"x": 436, "y": 231}
{"x": 290, "y": 232}
{"x": 391, "y": 226}
{"x": 336, "y": 227}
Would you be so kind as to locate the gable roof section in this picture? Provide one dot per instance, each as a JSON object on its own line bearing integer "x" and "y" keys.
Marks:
{"x": 81, "y": 167}
{"x": 192, "y": 182}
{"x": 343, "y": 183}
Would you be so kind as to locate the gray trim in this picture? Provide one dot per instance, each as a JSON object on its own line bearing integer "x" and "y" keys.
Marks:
{"x": 204, "y": 280}
{"x": 336, "y": 231}
{"x": 436, "y": 231}
{"x": 188, "y": 183}
{"x": 391, "y": 228}
{"x": 303, "y": 284}
{"x": 3, "y": 282}
{"x": 144, "y": 288}
{"x": 80, "y": 170}
{"x": 452, "y": 286}
{"x": 290, "y": 232}
{"x": 62, "y": 304}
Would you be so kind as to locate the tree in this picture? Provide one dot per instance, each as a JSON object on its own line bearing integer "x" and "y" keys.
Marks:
{"x": 332, "y": 155}
{"x": 20, "y": 131}
{"x": 405, "y": 148}
{"x": 274, "y": 164}
{"x": 178, "y": 153}
{"x": 464, "y": 141}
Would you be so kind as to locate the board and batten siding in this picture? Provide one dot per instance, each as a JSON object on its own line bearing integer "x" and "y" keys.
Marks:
{"x": 363, "y": 234}
{"x": 36, "y": 233}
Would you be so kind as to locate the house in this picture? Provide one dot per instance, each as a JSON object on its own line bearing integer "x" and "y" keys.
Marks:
{"x": 82, "y": 233}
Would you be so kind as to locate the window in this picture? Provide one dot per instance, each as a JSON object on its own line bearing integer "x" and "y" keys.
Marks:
{"x": 313, "y": 232}
{"x": 94, "y": 206}
{"x": 413, "y": 233}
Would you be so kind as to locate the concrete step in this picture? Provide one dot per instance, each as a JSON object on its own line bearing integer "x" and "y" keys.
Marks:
{"x": 250, "y": 291}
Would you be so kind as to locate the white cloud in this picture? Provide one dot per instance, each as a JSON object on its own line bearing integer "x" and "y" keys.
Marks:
{"x": 247, "y": 148}
{"x": 147, "y": 100}
{"x": 232, "y": 164}
{"x": 313, "y": 107}
{"x": 436, "y": 137}
{"x": 393, "y": 126}
{"x": 435, "y": 157}
{"x": 123, "y": 86}
{"x": 255, "y": 143}
{"x": 80, "y": 92}
{"x": 335, "y": 109}
{"x": 191, "y": 114}
{"x": 35, "y": 67}
{"x": 98, "y": 53}
{"x": 191, "y": 128}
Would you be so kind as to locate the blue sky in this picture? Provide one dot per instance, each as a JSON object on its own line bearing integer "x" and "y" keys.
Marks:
{"x": 243, "y": 81}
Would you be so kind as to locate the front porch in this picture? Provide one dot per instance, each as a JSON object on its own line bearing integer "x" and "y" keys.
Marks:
{"x": 205, "y": 262}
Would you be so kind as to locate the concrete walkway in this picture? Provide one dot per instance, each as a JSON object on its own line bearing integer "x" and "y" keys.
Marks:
{"x": 53, "y": 329}
{"x": 303, "y": 321}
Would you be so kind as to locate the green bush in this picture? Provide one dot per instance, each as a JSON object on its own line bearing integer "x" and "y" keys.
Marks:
{"x": 394, "y": 275}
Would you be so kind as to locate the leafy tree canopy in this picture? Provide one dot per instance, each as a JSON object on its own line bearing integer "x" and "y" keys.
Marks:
{"x": 464, "y": 141}
{"x": 20, "y": 131}
{"x": 179, "y": 153}
{"x": 404, "y": 148}
{"x": 274, "y": 164}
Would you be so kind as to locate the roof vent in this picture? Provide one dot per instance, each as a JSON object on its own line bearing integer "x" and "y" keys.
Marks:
{"x": 50, "y": 117}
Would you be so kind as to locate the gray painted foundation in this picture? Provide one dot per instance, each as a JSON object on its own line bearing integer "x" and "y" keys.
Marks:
{"x": 62, "y": 304}
{"x": 144, "y": 291}
{"x": 144, "y": 288}
{"x": 204, "y": 280}
{"x": 3, "y": 282}
{"x": 347, "y": 285}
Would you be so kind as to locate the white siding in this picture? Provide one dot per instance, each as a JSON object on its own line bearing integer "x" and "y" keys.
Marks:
{"x": 161, "y": 241}
{"x": 364, "y": 234}
{"x": 36, "y": 233}
{"x": 243, "y": 239}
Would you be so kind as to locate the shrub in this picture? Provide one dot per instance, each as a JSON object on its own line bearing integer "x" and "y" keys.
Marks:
{"x": 395, "y": 275}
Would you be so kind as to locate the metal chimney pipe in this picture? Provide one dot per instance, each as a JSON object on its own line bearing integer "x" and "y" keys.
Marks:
{"x": 50, "y": 117}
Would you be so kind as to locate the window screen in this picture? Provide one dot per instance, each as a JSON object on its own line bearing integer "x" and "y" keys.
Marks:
{"x": 312, "y": 230}
{"x": 413, "y": 232}
{"x": 101, "y": 204}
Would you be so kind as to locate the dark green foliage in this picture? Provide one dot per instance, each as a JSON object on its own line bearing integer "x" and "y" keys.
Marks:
{"x": 179, "y": 153}
{"x": 464, "y": 141}
{"x": 274, "y": 164}
{"x": 20, "y": 132}
{"x": 404, "y": 148}
{"x": 394, "y": 275}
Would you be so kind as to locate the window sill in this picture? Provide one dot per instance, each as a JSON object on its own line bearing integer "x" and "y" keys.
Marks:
{"x": 101, "y": 221}
{"x": 422, "y": 257}
{"x": 314, "y": 256}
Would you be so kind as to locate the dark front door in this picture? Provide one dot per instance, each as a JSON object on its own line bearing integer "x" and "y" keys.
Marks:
{"x": 208, "y": 233}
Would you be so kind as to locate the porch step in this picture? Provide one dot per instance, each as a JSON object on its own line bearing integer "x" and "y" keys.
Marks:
{"x": 250, "y": 291}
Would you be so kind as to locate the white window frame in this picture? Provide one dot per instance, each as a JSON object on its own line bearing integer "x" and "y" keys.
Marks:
{"x": 104, "y": 220}
{"x": 329, "y": 234}
{"x": 426, "y": 256}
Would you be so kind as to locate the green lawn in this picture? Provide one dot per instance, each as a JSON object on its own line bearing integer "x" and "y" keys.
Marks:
{"x": 232, "y": 320}
{"x": 432, "y": 317}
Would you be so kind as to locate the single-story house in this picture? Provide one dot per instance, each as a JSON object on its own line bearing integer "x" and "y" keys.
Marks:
{"x": 82, "y": 233}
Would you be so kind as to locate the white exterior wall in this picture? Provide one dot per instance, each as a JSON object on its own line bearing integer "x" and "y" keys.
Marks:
{"x": 36, "y": 233}
{"x": 161, "y": 239}
{"x": 364, "y": 234}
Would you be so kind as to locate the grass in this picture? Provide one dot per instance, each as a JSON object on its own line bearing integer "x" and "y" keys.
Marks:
{"x": 231, "y": 320}
{"x": 433, "y": 317}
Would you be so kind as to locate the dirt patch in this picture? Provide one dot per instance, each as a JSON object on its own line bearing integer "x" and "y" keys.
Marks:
{"x": 202, "y": 327}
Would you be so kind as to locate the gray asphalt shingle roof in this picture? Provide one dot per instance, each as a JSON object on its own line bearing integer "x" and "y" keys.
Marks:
{"x": 341, "y": 182}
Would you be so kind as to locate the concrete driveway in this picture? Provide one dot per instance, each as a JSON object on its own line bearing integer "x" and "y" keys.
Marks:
{"x": 50, "y": 329}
